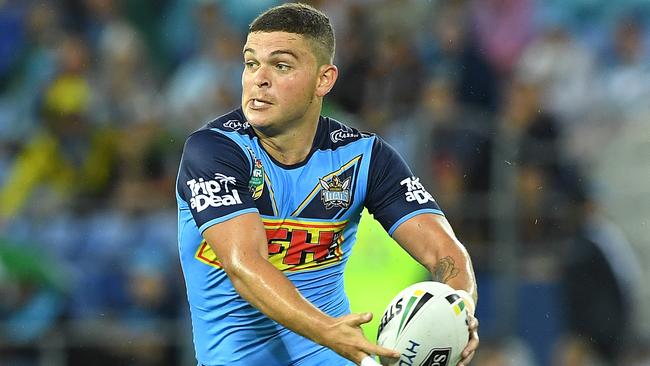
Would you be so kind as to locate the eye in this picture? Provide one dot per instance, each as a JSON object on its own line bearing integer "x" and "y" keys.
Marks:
{"x": 283, "y": 67}
{"x": 250, "y": 64}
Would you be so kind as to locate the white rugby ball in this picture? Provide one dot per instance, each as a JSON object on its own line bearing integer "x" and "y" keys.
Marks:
{"x": 427, "y": 324}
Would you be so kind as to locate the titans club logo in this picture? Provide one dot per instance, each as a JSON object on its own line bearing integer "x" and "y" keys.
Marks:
{"x": 335, "y": 193}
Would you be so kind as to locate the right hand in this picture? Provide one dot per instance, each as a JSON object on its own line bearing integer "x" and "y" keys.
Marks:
{"x": 345, "y": 337}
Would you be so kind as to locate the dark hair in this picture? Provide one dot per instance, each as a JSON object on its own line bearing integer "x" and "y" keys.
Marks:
{"x": 300, "y": 19}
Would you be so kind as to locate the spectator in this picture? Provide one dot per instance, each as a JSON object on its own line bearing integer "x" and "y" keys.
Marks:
{"x": 393, "y": 82}
{"x": 355, "y": 59}
{"x": 565, "y": 70}
{"x": 146, "y": 159}
{"x": 205, "y": 83}
{"x": 38, "y": 64}
{"x": 601, "y": 274}
{"x": 506, "y": 352}
{"x": 622, "y": 170}
{"x": 68, "y": 161}
{"x": 126, "y": 84}
{"x": 503, "y": 28}
{"x": 447, "y": 47}
{"x": 626, "y": 80}
{"x": 532, "y": 136}
{"x": 32, "y": 302}
{"x": 455, "y": 160}
{"x": 12, "y": 38}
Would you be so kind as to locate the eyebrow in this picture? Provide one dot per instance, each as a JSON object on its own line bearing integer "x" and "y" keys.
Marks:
{"x": 274, "y": 53}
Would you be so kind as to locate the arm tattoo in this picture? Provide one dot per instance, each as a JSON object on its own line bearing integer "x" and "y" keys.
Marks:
{"x": 445, "y": 270}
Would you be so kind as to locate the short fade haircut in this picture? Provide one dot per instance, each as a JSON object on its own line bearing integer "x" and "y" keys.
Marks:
{"x": 301, "y": 19}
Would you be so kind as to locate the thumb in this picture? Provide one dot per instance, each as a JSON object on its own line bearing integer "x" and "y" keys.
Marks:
{"x": 358, "y": 319}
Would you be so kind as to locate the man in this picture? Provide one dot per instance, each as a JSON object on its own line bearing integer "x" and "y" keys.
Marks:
{"x": 269, "y": 198}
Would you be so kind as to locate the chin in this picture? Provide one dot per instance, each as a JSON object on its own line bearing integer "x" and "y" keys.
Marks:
{"x": 258, "y": 119}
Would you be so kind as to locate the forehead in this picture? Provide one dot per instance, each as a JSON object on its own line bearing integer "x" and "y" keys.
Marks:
{"x": 266, "y": 43}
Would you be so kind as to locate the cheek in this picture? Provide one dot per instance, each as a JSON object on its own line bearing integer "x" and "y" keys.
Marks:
{"x": 298, "y": 88}
{"x": 246, "y": 79}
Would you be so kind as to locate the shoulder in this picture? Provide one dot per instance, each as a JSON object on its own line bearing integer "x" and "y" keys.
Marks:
{"x": 385, "y": 157}
{"x": 334, "y": 134}
{"x": 230, "y": 129}
{"x": 233, "y": 121}
{"x": 232, "y": 124}
{"x": 212, "y": 144}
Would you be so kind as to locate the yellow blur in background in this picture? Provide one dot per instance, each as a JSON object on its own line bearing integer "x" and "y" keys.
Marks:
{"x": 377, "y": 270}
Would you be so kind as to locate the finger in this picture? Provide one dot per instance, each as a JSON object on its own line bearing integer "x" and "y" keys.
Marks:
{"x": 466, "y": 360}
{"x": 472, "y": 324}
{"x": 470, "y": 317}
{"x": 473, "y": 341}
{"x": 471, "y": 346}
{"x": 374, "y": 349}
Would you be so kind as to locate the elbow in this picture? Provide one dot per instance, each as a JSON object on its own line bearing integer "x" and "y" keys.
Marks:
{"x": 234, "y": 269}
{"x": 241, "y": 270}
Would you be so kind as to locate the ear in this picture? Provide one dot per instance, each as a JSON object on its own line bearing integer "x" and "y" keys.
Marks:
{"x": 327, "y": 75}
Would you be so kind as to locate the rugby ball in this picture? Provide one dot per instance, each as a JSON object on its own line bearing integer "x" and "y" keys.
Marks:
{"x": 427, "y": 323}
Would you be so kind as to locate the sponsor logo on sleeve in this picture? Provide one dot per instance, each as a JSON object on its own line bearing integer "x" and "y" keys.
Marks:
{"x": 216, "y": 192}
{"x": 416, "y": 191}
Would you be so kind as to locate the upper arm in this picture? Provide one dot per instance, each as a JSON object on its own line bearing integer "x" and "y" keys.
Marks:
{"x": 394, "y": 194}
{"x": 238, "y": 241}
{"x": 427, "y": 238}
{"x": 213, "y": 179}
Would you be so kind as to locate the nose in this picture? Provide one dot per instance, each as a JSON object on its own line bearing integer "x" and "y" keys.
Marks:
{"x": 261, "y": 78}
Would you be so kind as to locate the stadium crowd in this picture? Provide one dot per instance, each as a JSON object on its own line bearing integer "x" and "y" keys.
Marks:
{"x": 527, "y": 119}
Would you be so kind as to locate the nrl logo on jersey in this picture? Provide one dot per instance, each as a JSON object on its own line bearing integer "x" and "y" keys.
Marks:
{"x": 335, "y": 193}
{"x": 256, "y": 184}
{"x": 236, "y": 125}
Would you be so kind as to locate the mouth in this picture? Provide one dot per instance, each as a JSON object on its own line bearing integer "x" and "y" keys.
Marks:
{"x": 257, "y": 103}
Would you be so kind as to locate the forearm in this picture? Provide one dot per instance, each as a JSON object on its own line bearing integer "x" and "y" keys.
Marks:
{"x": 453, "y": 266}
{"x": 267, "y": 289}
{"x": 241, "y": 246}
{"x": 271, "y": 292}
{"x": 431, "y": 241}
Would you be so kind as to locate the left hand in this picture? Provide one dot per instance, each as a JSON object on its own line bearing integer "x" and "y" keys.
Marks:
{"x": 472, "y": 344}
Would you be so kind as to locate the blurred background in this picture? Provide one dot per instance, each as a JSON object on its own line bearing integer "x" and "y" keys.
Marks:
{"x": 529, "y": 121}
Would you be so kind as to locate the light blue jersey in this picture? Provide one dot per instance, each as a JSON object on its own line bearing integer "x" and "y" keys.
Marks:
{"x": 310, "y": 211}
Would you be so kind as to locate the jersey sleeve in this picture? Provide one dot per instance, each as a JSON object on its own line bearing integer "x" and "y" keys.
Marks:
{"x": 213, "y": 179}
{"x": 394, "y": 194}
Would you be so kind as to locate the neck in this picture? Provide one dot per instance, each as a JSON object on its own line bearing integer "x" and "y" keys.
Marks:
{"x": 293, "y": 145}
